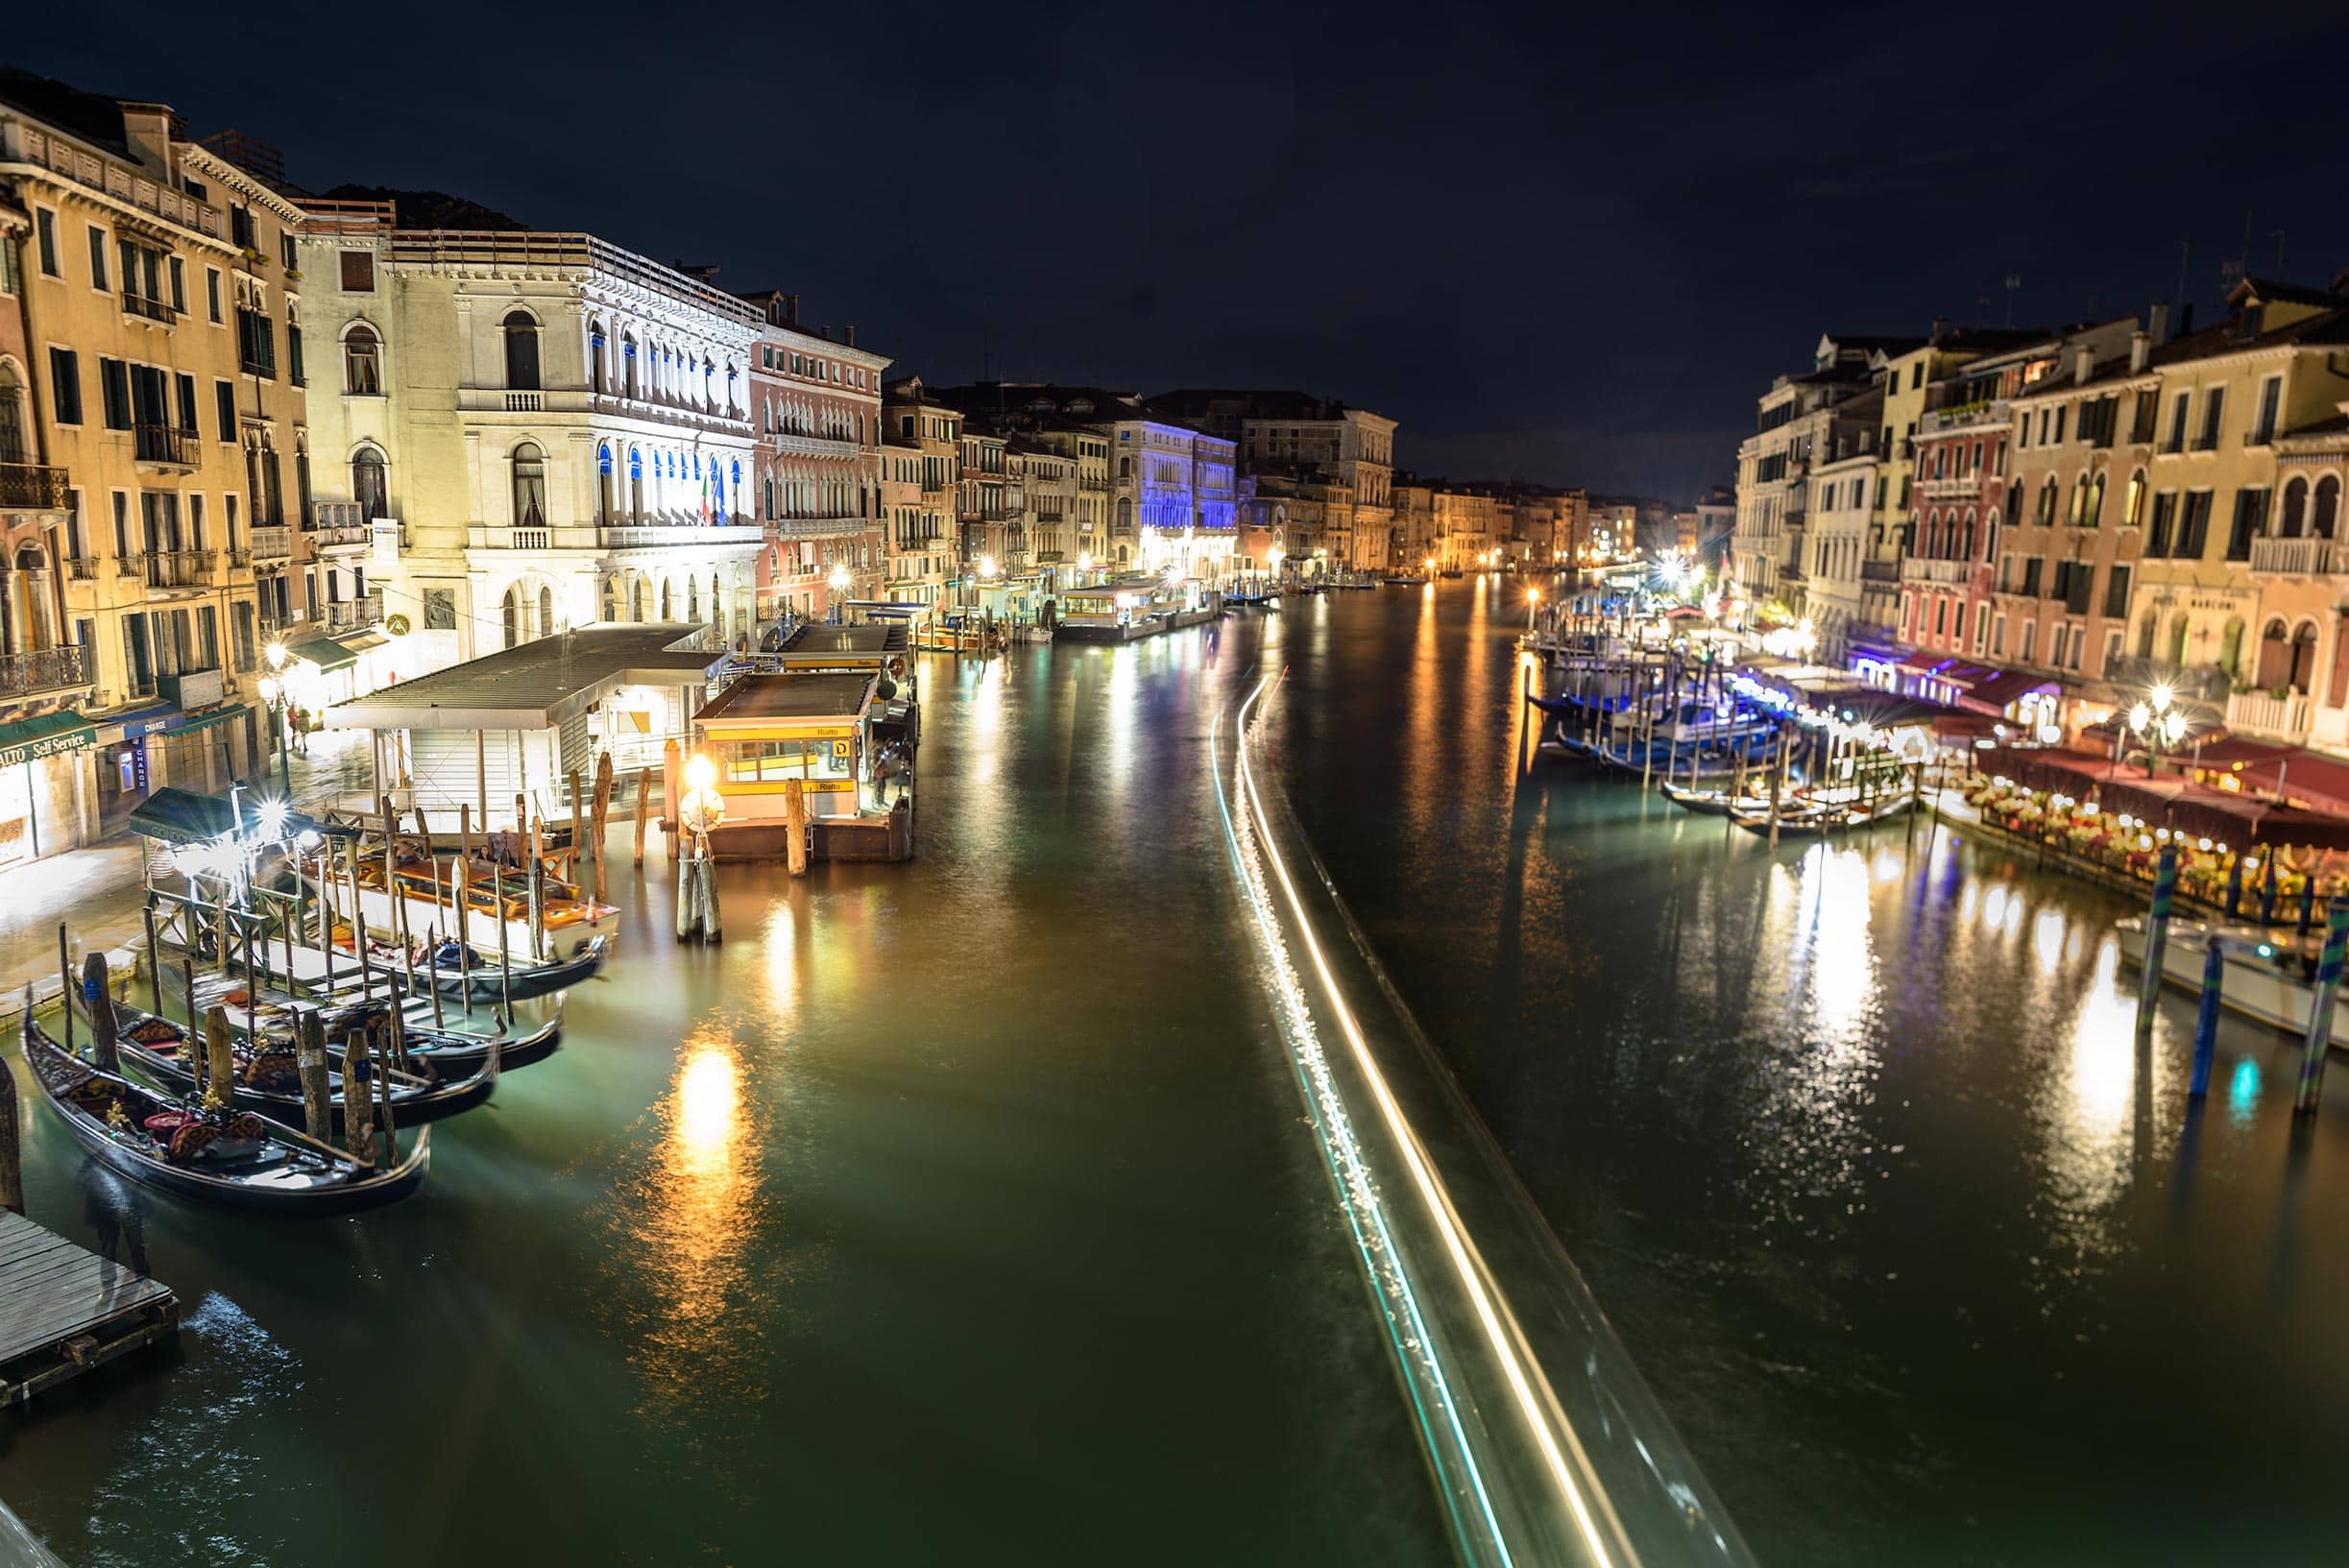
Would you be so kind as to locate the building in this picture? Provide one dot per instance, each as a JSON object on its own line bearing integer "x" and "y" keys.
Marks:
{"x": 2246, "y": 627}
{"x": 145, "y": 309}
{"x": 1845, "y": 482}
{"x": 1288, "y": 519}
{"x": 1792, "y": 427}
{"x": 928, "y": 433}
{"x": 815, "y": 406}
{"x": 2046, "y": 445}
{"x": 1289, "y": 431}
{"x": 918, "y": 552}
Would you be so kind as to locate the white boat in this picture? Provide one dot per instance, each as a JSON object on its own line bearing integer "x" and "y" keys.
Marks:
{"x": 2269, "y": 974}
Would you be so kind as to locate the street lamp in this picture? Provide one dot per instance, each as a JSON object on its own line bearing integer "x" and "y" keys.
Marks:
{"x": 838, "y": 581}
{"x": 277, "y": 697}
{"x": 2155, "y": 721}
{"x": 1532, "y": 602}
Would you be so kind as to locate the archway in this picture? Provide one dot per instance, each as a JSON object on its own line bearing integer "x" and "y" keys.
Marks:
{"x": 2275, "y": 657}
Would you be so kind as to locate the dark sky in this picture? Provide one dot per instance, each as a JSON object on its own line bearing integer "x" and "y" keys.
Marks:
{"x": 1557, "y": 242}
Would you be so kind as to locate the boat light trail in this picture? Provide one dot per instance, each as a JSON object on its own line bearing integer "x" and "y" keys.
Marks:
{"x": 1535, "y": 1403}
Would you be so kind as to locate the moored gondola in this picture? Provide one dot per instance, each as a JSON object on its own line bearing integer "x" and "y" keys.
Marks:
{"x": 232, "y": 1158}
{"x": 267, "y": 1081}
{"x": 453, "y": 1052}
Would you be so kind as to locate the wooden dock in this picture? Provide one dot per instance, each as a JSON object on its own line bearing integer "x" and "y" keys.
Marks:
{"x": 64, "y": 1310}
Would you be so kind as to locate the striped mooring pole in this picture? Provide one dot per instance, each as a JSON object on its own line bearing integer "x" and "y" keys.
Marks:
{"x": 2206, "y": 1022}
{"x": 2320, "y": 1007}
{"x": 2157, "y": 938}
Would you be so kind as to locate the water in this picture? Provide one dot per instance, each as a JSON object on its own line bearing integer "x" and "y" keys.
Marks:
{"x": 958, "y": 1210}
{"x": 1853, "y": 1142}
{"x": 966, "y": 1208}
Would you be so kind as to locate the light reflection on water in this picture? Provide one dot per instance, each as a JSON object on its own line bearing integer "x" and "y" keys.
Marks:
{"x": 692, "y": 1223}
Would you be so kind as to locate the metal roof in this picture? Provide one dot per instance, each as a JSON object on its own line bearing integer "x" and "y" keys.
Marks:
{"x": 790, "y": 696}
{"x": 537, "y": 685}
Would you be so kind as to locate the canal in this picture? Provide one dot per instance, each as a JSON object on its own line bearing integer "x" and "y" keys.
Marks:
{"x": 1853, "y": 1144}
{"x": 967, "y": 1208}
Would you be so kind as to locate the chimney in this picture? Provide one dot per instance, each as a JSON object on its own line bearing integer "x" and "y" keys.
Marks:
{"x": 2160, "y": 324}
{"x": 790, "y": 309}
{"x": 2141, "y": 347}
{"x": 2083, "y": 361}
{"x": 146, "y": 130}
{"x": 851, "y": 330}
{"x": 2186, "y": 318}
{"x": 825, "y": 332}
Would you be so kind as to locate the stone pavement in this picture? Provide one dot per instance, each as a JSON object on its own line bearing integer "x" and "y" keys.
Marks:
{"x": 95, "y": 889}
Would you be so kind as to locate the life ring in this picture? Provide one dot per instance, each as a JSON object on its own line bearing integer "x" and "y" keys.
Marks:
{"x": 897, "y": 668}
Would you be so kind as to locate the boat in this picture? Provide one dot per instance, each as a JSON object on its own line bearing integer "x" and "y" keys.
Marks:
{"x": 1711, "y": 803}
{"x": 452, "y": 1051}
{"x": 455, "y": 968}
{"x": 267, "y": 1081}
{"x": 497, "y": 895}
{"x": 233, "y": 1158}
{"x": 1802, "y": 816}
{"x": 2270, "y": 976}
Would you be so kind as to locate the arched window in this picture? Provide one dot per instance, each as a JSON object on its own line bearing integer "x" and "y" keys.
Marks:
{"x": 2301, "y": 676}
{"x": 2092, "y": 511}
{"x": 627, "y": 361}
{"x": 2133, "y": 514}
{"x": 635, "y": 485}
{"x": 636, "y": 598}
{"x": 1989, "y": 537}
{"x": 546, "y": 612}
{"x": 666, "y": 604}
{"x": 529, "y": 487}
{"x": 509, "y": 618}
{"x": 2275, "y": 657}
{"x": 521, "y": 329}
{"x": 608, "y": 601}
{"x": 692, "y": 598}
{"x": 2295, "y": 514}
{"x": 362, "y": 362}
{"x": 1967, "y": 554}
{"x": 595, "y": 358}
{"x": 370, "y": 485}
{"x": 604, "y": 482}
{"x": 2327, "y": 508}
{"x": 15, "y": 448}
{"x": 2047, "y": 502}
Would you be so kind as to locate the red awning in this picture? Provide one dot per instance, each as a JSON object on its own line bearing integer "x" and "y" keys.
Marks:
{"x": 1995, "y": 691}
{"x": 2170, "y": 800}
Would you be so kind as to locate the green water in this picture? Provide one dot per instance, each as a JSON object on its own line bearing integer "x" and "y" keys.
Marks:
{"x": 959, "y": 1211}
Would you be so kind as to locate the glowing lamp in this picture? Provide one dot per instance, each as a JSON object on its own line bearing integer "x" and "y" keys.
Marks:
{"x": 700, "y": 773}
{"x": 277, "y": 654}
{"x": 2162, "y": 694}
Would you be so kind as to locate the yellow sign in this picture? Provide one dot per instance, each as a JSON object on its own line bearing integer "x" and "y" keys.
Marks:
{"x": 839, "y": 749}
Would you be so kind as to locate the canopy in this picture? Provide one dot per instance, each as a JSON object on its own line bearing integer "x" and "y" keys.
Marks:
{"x": 324, "y": 651}
{"x": 2166, "y": 800}
{"x": 43, "y": 735}
{"x": 182, "y": 816}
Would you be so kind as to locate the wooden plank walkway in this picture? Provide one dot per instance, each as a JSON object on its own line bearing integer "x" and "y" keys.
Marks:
{"x": 64, "y": 1310}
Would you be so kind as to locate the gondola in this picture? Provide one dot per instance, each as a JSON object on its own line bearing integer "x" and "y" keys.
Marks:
{"x": 156, "y": 1047}
{"x": 1711, "y": 803}
{"x": 455, "y": 967}
{"x": 453, "y": 1052}
{"x": 235, "y": 1159}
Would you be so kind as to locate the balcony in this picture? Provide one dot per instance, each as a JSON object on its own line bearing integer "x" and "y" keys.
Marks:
{"x": 272, "y": 544}
{"x": 817, "y": 527}
{"x": 32, "y": 487}
{"x": 239, "y": 560}
{"x": 149, "y": 310}
{"x": 2286, "y": 718}
{"x": 49, "y": 669}
{"x": 1917, "y": 569}
{"x": 355, "y": 614}
{"x": 2196, "y": 683}
{"x": 167, "y": 445}
{"x": 83, "y": 568}
{"x": 1964, "y": 416}
{"x": 661, "y": 536}
{"x": 1950, "y": 487}
{"x": 180, "y": 568}
{"x": 1879, "y": 571}
{"x": 130, "y": 565}
{"x": 2308, "y": 556}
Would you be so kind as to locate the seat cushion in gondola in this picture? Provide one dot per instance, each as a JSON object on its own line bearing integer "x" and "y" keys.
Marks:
{"x": 155, "y": 1033}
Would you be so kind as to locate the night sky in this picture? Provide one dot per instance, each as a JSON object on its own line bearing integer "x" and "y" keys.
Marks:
{"x": 1558, "y": 246}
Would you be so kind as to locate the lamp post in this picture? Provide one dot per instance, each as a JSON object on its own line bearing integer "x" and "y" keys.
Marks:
{"x": 277, "y": 698}
{"x": 2155, "y": 721}
{"x": 1532, "y": 602}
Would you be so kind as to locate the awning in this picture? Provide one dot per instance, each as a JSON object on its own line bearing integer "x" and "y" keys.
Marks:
{"x": 1995, "y": 691}
{"x": 327, "y": 654}
{"x": 44, "y": 736}
{"x": 204, "y": 721}
{"x": 183, "y": 816}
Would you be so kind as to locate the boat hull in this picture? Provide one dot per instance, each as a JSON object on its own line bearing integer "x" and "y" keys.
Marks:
{"x": 2267, "y": 989}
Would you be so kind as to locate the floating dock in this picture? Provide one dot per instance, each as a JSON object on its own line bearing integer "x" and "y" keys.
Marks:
{"x": 64, "y": 1310}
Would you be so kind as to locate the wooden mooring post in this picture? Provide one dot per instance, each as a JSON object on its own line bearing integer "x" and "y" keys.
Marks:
{"x": 2157, "y": 938}
{"x": 2319, "y": 1040}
